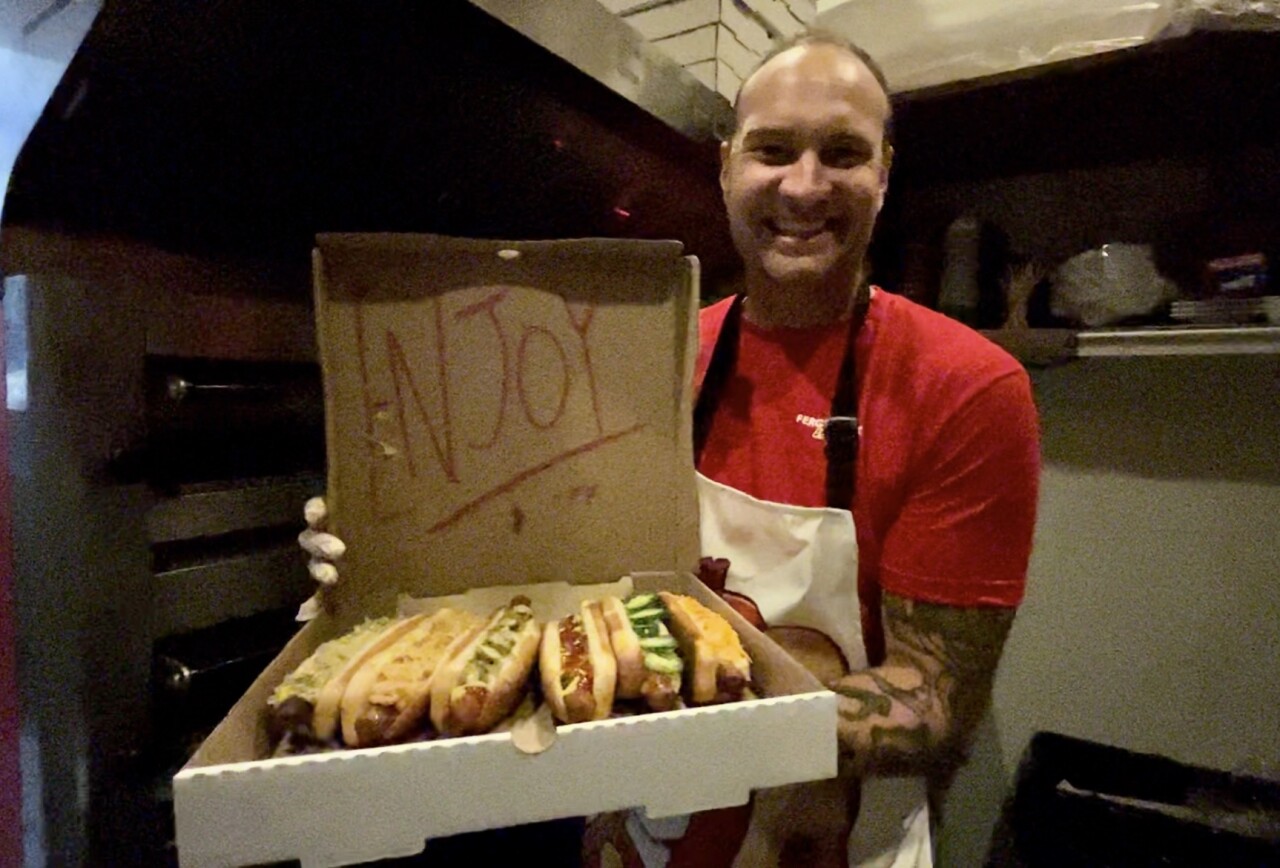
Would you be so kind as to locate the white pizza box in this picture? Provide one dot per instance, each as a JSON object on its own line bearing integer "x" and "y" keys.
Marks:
{"x": 501, "y": 416}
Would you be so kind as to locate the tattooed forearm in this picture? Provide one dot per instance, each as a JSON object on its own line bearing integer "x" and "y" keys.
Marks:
{"x": 865, "y": 703}
{"x": 915, "y": 714}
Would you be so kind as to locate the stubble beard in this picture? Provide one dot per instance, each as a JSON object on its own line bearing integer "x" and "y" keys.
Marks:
{"x": 798, "y": 294}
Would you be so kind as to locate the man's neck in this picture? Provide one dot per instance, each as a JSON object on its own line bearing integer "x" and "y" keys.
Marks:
{"x": 772, "y": 306}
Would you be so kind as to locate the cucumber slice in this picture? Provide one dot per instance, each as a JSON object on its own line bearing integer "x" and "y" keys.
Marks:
{"x": 641, "y": 601}
{"x": 647, "y": 615}
{"x": 658, "y": 643}
{"x": 489, "y": 653}
{"x": 665, "y": 664}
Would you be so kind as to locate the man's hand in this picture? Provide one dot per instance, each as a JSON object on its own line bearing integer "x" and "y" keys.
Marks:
{"x": 916, "y": 714}
{"x": 322, "y": 550}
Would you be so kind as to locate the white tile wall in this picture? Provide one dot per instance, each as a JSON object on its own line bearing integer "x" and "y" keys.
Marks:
{"x": 623, "y": 5}
{"x": 733, "y": 54}
{"x": 783, "y": 17}
{"x": 704, "y": 72}
{"x": 716, "y": 40}
{"x": 669, "y": 19}
{"x": 805, "y": 10}
{"x": 748, "y": 32}
{"x": 690, "y": 48}
{"x": 727, "y": 81}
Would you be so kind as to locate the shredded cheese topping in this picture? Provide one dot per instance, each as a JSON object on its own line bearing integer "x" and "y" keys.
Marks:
{"x": 416, "y": 657}
{"x": 716, "y": 630}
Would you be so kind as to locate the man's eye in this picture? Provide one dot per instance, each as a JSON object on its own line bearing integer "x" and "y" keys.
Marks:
{"x": 773, "y": 155}
{"x": 845, "y": 157}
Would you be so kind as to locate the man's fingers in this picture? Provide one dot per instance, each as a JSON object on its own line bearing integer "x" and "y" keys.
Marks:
{"x": 323, "y": 572}
{"x": 324, "y": 546}
{"x": 315, "y": 511}
{"x": 308, "y": 610}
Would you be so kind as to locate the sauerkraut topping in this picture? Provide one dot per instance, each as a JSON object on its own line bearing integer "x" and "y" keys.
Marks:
{"x": 306, "y": 681}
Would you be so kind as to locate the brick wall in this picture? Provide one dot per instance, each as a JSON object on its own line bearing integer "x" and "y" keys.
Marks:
{"x": 718, "y": 41}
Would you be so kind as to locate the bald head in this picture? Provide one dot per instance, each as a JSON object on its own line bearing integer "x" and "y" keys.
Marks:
{"x": 788, "y": 53}
{"x": 811, "y": 74}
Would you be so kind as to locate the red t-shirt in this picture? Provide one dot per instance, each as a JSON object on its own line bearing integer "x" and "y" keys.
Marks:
{"x": 949, "y": 462}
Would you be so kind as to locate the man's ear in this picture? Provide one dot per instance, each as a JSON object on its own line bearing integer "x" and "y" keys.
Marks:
{"x": 886, "y": 164}
{"x": 726, "y": 149}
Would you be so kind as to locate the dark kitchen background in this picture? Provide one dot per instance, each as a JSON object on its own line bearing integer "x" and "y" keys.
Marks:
{"x": 155, "y": 247}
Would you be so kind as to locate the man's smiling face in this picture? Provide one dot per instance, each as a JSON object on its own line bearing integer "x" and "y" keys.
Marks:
{"x": 805, "y": 174}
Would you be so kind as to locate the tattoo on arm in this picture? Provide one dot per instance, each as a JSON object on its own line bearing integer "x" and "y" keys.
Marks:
{"x": 915, "y": 714}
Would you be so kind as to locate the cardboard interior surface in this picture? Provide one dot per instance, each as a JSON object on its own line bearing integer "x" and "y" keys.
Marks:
{"x": 504, "y": 413}
{"x": 318, "y": 808}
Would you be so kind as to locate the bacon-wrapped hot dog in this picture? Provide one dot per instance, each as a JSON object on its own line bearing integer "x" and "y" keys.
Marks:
{"x": 485, "y": 671}
{"x": 577, "y": 666}
{"x": 649, "y": 665}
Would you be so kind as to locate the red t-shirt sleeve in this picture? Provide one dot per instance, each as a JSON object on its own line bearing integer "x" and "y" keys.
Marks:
{"x": 964, "y": 534}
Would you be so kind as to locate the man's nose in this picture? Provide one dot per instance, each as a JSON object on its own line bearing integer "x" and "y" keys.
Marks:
{"x": 805, "y": 178}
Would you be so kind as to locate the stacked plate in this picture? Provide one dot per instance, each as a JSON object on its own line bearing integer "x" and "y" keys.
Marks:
{"x": 1228, "y": 311}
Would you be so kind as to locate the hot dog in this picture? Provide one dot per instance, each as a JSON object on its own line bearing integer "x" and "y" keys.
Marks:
{"x": 486, "y": 671}
{"x": 648, "y": 663}
{"x": 577, "y": 666}
{"x": 301, "y": 707}
{"x": 329, "y": 702}
{"x": 390, "y": 694}
{"x": 717, "y": 665}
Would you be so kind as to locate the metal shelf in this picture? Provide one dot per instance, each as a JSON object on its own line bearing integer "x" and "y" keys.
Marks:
{"x": 1179, "y": 341}
{"x": 1054, "y": 346}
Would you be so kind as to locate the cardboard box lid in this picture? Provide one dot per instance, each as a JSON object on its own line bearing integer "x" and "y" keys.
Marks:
{"x": 504, "y": 413}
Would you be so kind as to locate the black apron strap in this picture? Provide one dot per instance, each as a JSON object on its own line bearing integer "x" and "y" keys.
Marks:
{"x": 841, "y": 430}
{"x": 724, "y": 357}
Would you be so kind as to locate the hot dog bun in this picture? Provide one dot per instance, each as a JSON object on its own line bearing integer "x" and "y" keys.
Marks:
{"x": 626, "y": 648}
{"x": 649, "y": 666}
{"x": 717, "y": 665}
{"x": 577, "y": 666}
{"x": 485, "y": 671}
{"x": 329, "y": 700}
{"x": 389, "y": 696}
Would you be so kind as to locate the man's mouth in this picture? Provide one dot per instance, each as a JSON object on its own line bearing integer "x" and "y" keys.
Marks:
{"x": 798, "y": 231}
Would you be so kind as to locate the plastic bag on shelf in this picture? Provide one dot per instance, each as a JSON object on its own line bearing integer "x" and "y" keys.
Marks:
{"x": 1108, "y": 285}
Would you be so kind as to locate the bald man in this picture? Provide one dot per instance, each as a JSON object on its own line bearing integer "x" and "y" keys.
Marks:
{"x": 868, "y": 467}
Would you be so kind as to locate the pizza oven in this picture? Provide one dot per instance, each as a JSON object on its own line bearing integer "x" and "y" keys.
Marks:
{"x": 157, "y": 237}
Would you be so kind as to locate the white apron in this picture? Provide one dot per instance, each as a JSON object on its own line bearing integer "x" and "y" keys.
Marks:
{"x": 799, "y": 566}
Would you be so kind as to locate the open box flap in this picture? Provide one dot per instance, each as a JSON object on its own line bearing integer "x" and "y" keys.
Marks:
{"x": 484, "y": 415}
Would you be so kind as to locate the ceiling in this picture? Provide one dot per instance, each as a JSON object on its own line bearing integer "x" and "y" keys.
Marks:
{"x": 236, "y": 127}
